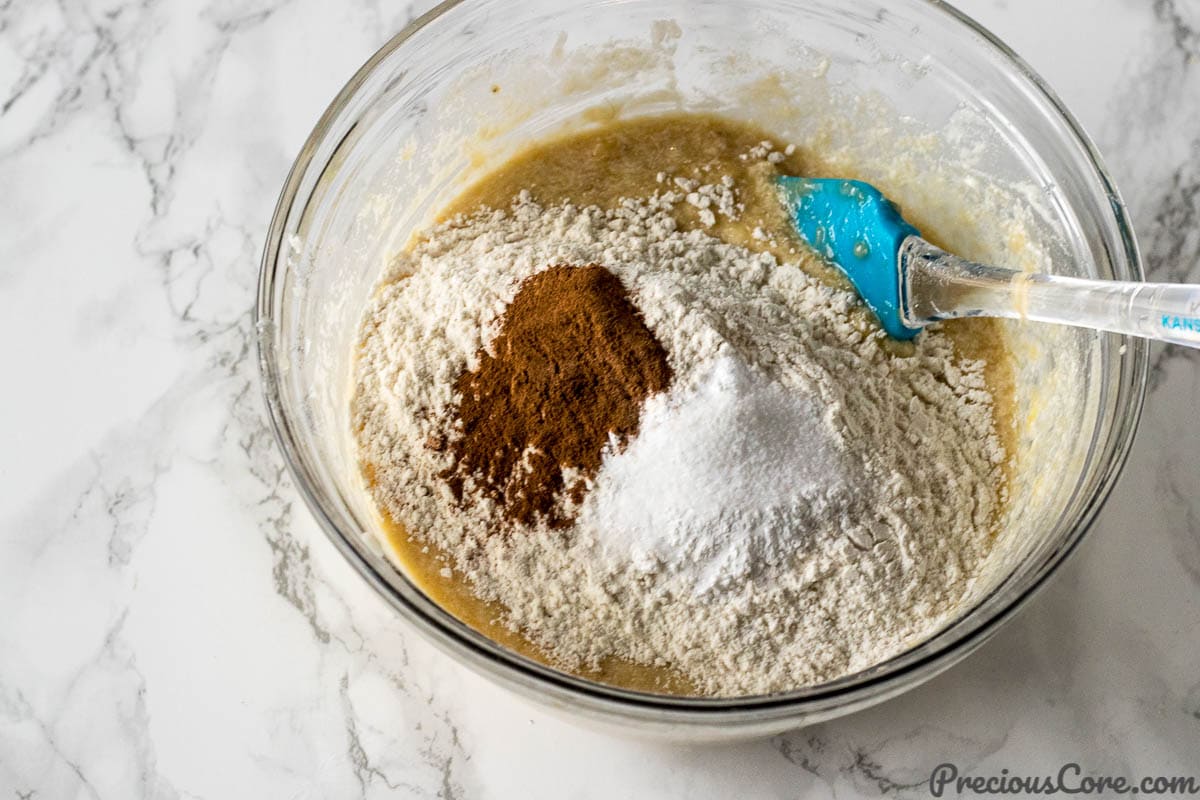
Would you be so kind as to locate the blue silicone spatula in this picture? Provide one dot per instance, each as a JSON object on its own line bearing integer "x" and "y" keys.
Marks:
{"x": 909, "y": 283}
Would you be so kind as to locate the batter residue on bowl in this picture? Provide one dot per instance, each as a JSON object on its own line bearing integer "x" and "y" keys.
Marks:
{"x": 621, "y": 420}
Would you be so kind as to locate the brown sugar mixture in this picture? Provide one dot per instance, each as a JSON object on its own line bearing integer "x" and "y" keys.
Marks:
{"x": 571, "y": 367}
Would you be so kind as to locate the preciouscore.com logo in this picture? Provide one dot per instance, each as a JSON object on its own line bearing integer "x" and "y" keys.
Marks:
{"x": 945, "y": 781}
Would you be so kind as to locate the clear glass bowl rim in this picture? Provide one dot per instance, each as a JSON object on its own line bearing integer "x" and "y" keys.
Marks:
{"x": 914, "y": 665}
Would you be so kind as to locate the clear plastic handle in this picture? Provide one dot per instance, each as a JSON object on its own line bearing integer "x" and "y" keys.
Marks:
{"x": 936, "y": 285}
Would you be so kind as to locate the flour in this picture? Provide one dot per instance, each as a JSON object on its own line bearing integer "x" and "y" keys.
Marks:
{"x": 802, "y": 504}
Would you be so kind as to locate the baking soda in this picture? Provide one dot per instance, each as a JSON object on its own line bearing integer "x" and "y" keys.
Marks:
{"x": 725, "y": 481}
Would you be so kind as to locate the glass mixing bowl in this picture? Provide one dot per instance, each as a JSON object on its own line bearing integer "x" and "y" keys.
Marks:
{"x": 469, "y": 82}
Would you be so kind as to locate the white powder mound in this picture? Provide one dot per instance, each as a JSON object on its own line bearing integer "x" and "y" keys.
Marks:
{"x": 802, "y": 504}
{"x": 725, "y": 481}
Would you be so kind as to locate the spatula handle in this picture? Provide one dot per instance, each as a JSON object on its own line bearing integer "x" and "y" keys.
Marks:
{"x": 935, "y": 285}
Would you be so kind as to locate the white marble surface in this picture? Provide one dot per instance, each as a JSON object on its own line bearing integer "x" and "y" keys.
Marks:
{"x": 173, "y": 623}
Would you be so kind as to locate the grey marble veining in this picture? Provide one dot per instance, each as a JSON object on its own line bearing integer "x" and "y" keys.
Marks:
{"x": 173, "y": 623}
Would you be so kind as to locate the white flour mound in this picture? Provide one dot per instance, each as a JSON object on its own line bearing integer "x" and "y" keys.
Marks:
{"x": 800, "y": 505}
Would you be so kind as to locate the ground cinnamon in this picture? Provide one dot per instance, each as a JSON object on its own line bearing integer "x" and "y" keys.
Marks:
{"x": 569, "y": 370}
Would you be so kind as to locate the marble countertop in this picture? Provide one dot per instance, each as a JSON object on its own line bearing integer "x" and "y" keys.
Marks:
{"x": 174, "y": 625}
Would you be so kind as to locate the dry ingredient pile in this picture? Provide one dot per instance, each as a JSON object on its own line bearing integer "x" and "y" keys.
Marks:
{"x": 646, "y": 444}
{"x": 571, "y": 368}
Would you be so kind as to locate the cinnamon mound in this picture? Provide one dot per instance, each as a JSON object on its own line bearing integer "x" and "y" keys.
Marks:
{"x": 572, "y": 365}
